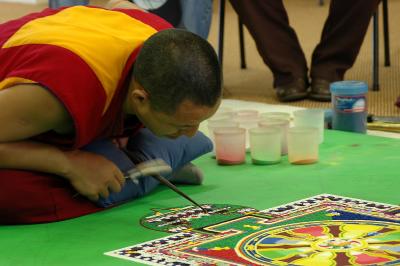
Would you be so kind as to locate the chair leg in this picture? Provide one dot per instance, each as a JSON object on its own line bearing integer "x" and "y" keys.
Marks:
{"x": 241, "y": 44}
{"x": 375, "y": 45}
{"x": 221, "y": 31}
{"x": 321, "y": 2}
{"x": 386, "y": 31}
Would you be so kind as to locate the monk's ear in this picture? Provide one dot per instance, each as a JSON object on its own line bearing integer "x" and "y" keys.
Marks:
{"x": 139, "y": 97}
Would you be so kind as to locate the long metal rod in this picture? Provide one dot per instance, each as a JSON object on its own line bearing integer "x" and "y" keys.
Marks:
{"x": 163, "y": 180}
{"x": 166, "y": 182}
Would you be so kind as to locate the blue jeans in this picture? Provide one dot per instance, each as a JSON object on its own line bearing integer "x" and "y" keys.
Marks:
{"x": 60, "y": 3}
{"x": 196, "y": 16}
{"x": 145, "y": 145}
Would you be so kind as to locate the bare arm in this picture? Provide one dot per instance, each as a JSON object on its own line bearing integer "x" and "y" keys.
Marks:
{"x": 29, "y": 110}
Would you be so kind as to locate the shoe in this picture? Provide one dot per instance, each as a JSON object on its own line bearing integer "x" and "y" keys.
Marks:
{"x": 320, "y": 90}
{"x": 189, "y": 174}
{"x": 295, "y": 91}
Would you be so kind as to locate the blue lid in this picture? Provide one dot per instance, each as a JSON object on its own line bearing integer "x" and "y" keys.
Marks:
{"x": 348, "y": 87}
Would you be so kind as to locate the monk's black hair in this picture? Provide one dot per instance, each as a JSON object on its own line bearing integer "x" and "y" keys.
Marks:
{"x": 176, "y": 65}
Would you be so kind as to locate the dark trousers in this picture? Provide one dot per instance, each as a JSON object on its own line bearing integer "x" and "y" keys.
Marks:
{"x": 277, "y": 42}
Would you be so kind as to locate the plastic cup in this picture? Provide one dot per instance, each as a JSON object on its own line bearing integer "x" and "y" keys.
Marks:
{"x": 349, "y": 102}
{"x": 247, "y": 113}
{"x": 275, "y": 115}
{"x": 311, "y": 118}
{"x": 220, "y": 124}
{"x": 220, "y": 117}
{"x": 303, "y": 145}
{"x": 225, "y": 111}
{"x": 265, "y": 145}
{"x": 283, "y": 124}
{"x": 214, "y": 124}
{"x": 247, "y": 123}
{"x": 230, "y": 145}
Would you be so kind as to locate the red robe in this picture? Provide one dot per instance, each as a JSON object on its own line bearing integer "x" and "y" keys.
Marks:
{"x": 83, "y": 56}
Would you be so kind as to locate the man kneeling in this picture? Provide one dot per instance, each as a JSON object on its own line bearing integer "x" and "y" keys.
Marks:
{"x": 66, "y": 103}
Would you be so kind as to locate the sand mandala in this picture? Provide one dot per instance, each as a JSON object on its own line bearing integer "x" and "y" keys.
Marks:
{"x": 321, "y": 230}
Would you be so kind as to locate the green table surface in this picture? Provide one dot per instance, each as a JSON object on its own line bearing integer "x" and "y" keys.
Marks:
{"x": 351, "y": 165}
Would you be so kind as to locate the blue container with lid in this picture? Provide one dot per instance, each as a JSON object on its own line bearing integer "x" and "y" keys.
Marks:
{"x": 349, "y": 104}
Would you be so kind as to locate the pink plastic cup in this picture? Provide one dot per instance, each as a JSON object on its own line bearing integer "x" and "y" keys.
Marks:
{"x": 230, "y": 145}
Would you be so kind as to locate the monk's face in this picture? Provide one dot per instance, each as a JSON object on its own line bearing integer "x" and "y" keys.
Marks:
{"x": 184, "y": 121}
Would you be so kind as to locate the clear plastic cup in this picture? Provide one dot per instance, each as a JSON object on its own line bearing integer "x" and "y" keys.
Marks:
{"x": 310, "y": 118}
{"x": 283, "y": 124}
{"x": 225, "y": 111}
{"x": 220, "y": 117}
{"x": 247, "y": 123}
{"x": 303, "y": 145}
{"x": 230, "y": 145}
{"x": 265, "y": 145}
{"x": 220, "y": 124}
{"x": 246, "y": 113}
{"x": 213, "y": 124}
{"x": 275, "y": 115}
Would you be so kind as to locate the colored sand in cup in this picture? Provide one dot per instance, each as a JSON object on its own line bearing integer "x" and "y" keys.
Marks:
{"x": 229, "y": 162}
{"x": 230, "y": 145}
{"x": 311, "y": 118}
{"x": 303, "y": 145}
{"x": 263, "y": 162}
{"x": 265, "y": 145}
{"x": 283, "y": 124}
{"x": 305, "y": 161}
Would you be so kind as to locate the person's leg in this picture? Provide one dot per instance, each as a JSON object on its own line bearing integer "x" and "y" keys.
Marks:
{"x": 60, "y": 3}
{"x": 196, "y": 16}
{"x": 34, "y": 197}
{"x": 189, "y": 174}
{"x": 146, "y": 146}
{"x": 170, "y": 10}
{"x": 341, "y": 39}
{"x": 276, "y": 40}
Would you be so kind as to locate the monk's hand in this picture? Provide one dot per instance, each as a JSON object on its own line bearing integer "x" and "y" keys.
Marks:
{"x": 93, "y": 175}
